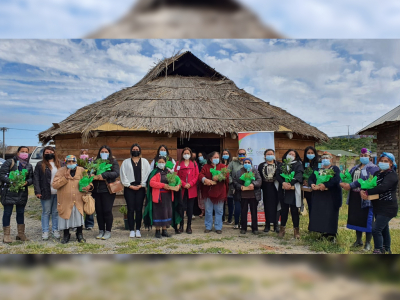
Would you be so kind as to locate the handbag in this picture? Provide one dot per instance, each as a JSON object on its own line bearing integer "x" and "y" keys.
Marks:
{"x": 115, "y": 187}
{"x": 88, "y": 204}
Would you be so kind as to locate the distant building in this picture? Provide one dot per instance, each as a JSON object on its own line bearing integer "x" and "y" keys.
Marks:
{"x": 353, "y": 136}
{"x": 338, "y": 154}
{"x": 12, "y": 150}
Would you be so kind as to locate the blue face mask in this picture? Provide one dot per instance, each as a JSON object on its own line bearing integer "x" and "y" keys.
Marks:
{"x": 384, "y": 166}
{"x": 364, "y": 160}
{"x": 201, "y": 159}
{"x": 326, "y": 162}
{"x": 310, "y": 156}
{"x": 104, "y": 155}
{"x": 163, "y": 153}
{"x": 71, "y": 166}
{"x": 247, "y": 167}
{"x": 225, "y": 157}
{"x": 215, "y": 161}
{"x": 270, "y": 157}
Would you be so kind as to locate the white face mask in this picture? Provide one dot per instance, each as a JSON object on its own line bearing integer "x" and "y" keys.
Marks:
{"x": 290, "y": 157}
{"x": 161, "y": 166}
{"x": 186, "y": 156}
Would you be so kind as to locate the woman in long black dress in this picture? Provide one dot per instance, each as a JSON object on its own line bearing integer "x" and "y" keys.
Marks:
{"x": 270, "y": 189}
{"x": 292, "y": 191}
{"x": 311, "y": 159}
{"x": 326, "y": 200}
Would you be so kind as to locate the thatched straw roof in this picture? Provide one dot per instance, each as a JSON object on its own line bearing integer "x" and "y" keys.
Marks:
{"x": 182, "y": 95}
{"x": 177, "y": 19}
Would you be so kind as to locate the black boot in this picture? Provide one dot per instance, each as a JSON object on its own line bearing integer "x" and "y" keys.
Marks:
{"x": 267, "y": 227}
{"x": 177, "y": 230}
{"x": 181, "y": 226}
{"x": 358, "y": 242}
{"x": 368, "y": 246}
{"x": 158, "y": 233}
{"x": 79, "y": 237}
{"x": 189, "y": 227}
{"x": 276, "y": 228}
{"x": 165, "y": 233}
{"x": 66, "y": 237}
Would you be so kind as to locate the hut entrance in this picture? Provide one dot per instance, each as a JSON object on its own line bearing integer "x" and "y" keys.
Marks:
{"x": 206, "y": 145}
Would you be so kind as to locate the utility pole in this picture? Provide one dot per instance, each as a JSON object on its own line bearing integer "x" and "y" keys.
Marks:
{"x": 4, "y": 129}
{"x": 348, "y": 133}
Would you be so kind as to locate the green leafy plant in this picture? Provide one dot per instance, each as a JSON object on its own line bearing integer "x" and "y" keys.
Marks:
{"x": 286, "y": 167}
{"x": 247, "y": 177}
{"x": 346, "y": 177}
{"x": 307, "y": 173}
{"x": 326, "y": 175}
{"x": 99, "y": 166}
{"x": 85, "y": 181}
{"x": 221, "y": 175}
{"x": 173, "y": 179}
{"x": 123, "y": 210}
{"x": 18, "y": 180}
{"x": 368, "y": 184}
{"x": 288, "y": 177}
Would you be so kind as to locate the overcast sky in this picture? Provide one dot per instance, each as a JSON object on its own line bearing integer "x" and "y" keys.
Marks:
{"x": 328, "y": 83}
{"x": 293, "y": 18}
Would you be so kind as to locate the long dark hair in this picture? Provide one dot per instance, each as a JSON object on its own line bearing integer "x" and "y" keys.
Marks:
{"x": 314, "y": 161}
{"x": 46, "y": 163}
{"x": 298, "y": 158}
{"x": 136, "y": 145}
{"x": 226, "y": 161}
{"x": 110, "y": 156}
{"x": 158, "y": 152}
{"x": 184, "y": 149}
{"x": 211, "y": 155}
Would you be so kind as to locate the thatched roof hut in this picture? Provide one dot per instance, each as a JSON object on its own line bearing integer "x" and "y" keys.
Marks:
{"x": 180, "y": 98}
{"x": 187, "y": 19}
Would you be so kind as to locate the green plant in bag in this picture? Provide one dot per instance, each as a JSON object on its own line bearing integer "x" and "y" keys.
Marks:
{"x": 346, "y": 177}
{"x": 85, "y": 181}
{"x": 247, "y": 177}
{"x": 307, "y": 173}
{"x": 173, "y": 179}
{"x": 288, "y": 177}
{"x": 221, "y": 175}
{"x": 326, "y": 175}
{"x": 368, "y": 184}
{"x": 18, "y": 180}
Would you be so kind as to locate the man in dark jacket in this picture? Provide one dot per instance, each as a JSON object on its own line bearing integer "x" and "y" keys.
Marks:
{"x": 10, "y": 198}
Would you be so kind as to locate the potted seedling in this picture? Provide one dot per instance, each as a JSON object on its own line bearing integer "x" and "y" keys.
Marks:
{"x": 123, "y": 210}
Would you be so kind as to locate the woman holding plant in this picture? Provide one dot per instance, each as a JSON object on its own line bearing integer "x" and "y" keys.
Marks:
{"x": 326, "y": 198}
{"x": 16, "y": 175}
{"x": 213, "y": 179}
{"x": 310, "y": 164}
{"x": 134, "y": 174}
{"x": 45, "y": 171}
{"x": 69, "y": 198}
{"x": 247, "y": 183}
{"x": 188, "y": 173}
{"x": 290, "y": 177}
{"x": 106, "y": 171}
{"x": 271, "y": 189}
{"x": 360, "y": 213}
{"x": 160, "y": 210}
{"x": 385, "y": 201}
{"x": 234, "y": 166}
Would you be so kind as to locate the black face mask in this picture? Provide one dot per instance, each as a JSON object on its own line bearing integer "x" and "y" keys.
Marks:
{"x": 49, "y": 156}
{"x": 135, "y": 153}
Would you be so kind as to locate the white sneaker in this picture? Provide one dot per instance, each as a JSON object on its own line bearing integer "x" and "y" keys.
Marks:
{"x": 56, "y": 234}
{"x": 132, "y": 234}
{"x": 235, "y": 226}
{"x": 193, "y": 217}
{"x": 138, "y": 235}
{"x": 45, "y": 236}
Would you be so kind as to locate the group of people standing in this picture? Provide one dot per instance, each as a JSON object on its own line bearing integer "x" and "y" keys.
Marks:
{"x": 56, "y": 185}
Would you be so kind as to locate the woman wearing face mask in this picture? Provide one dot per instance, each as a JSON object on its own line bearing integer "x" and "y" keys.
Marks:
{"x": 311, "y": 159}
{"x": 188, "y": 172}
{"x": 214, "y": 191}
{"x": 271, "y": 189}
{"x": 234, "y": 167}
{"x": 69, "y": 199}
{"x": 360, "y": 212}
{"x": 385, "y": 207}
{"x": 134, "y": 174}
{"x": 45, "y": 171}
{"x": 248, "y": 197}
{"x": 104, "y": 201}
{"x": 226, "y": 160}
{"x": 84, "y": 156}
{"x": 162, "y": 151}
{"x": 201, "y": 160}
{"x": 159, "y": 208}
{"x": 20, "y": 198}
{"x": 292, "y": 197}
{"x": 324, "y": 216}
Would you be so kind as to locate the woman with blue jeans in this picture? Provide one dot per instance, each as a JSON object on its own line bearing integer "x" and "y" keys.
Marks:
{"x": 44, "y": 174}
{"x": 214, "y": 191}
{"x": 385, "y": 208}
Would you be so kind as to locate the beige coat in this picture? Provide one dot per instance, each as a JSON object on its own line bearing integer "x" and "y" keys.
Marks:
{"x": 68, "y": 193}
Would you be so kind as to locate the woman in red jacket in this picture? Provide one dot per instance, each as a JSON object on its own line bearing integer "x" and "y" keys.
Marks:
{"x": 188, "y": 172}
{"x": 214, "y": 192}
